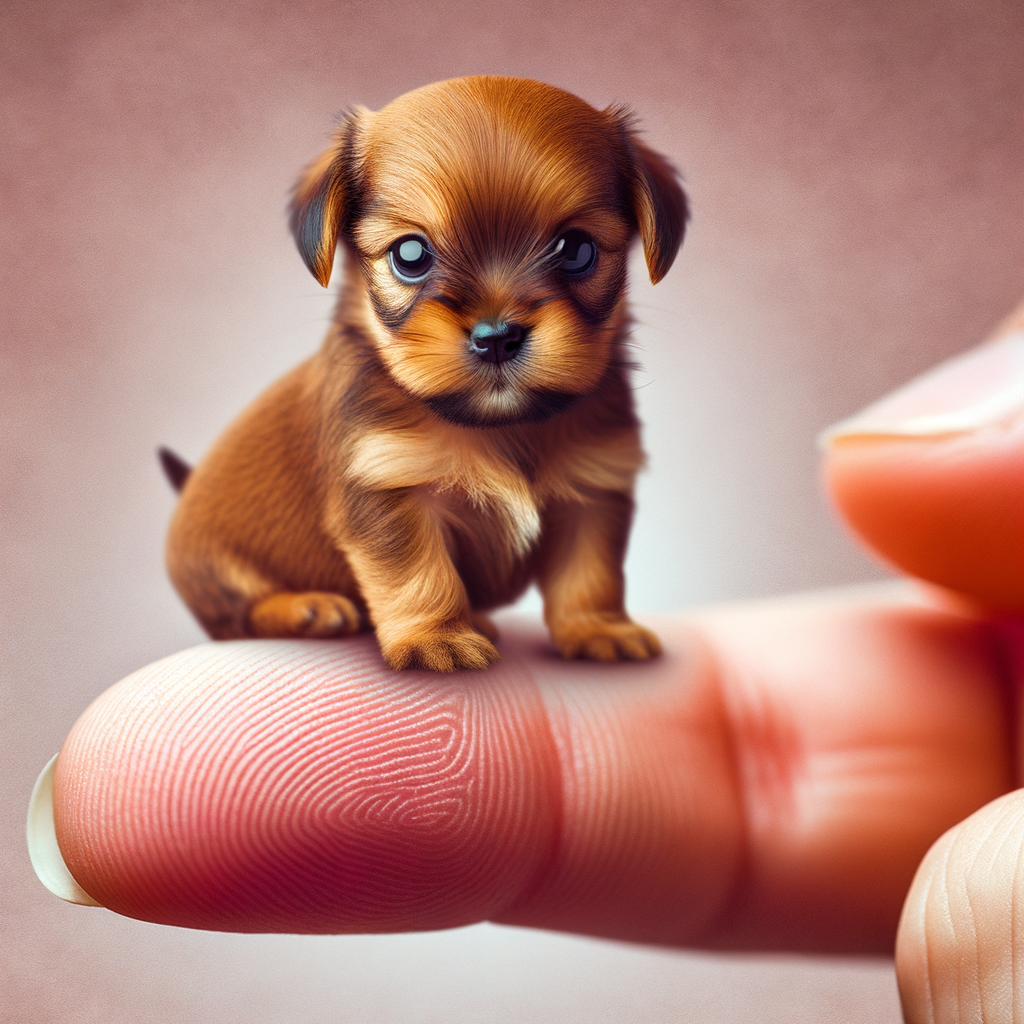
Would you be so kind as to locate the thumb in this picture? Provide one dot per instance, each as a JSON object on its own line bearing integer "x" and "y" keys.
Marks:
{"x": 930, "y": 477}
{"x": 959, "y": 943}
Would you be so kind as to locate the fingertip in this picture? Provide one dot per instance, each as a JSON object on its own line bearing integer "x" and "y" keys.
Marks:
{"x": 304, "y": 787}
{"x": 959, "y": 934}
{"x": 945, "y": 509}
{"x": 929, "y": 476}
{"x": 43, "y": 849}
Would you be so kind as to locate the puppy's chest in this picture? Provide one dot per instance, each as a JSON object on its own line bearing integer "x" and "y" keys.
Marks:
{"x": 479, "y": 485}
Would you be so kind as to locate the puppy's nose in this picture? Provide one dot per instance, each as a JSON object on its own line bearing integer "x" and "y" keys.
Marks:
{"x": 496, "y": 341}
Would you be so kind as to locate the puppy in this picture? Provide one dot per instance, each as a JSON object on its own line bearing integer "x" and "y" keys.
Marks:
{"x": 468, "y": 425}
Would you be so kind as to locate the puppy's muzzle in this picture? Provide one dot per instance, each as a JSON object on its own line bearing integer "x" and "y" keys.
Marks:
{"x": 497, "y": 341}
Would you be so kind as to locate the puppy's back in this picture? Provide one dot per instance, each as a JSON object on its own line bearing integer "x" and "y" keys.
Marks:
{"x": 248, "y": 523}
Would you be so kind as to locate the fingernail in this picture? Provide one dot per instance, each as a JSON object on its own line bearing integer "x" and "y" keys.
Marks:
{"x": 43, "y": 850}
{"x": 979, "y": 389}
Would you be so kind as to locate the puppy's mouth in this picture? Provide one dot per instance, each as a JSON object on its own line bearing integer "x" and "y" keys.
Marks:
{"x": 500, "y": 406}
{"x": 499, "y": 354}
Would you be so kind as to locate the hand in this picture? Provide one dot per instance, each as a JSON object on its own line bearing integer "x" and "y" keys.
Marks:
{"x": 932, "y": 478}
{"x": 773, "y": 781}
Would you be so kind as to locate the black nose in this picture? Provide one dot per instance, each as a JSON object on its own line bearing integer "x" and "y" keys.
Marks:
{"x": 497, "y": 341}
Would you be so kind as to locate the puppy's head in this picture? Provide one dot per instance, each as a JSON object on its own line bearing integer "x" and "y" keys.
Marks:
{"x": 490, "y": 219}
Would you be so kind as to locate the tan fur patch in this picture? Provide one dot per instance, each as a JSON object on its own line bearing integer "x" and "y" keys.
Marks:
{"x": 450, "y": 459}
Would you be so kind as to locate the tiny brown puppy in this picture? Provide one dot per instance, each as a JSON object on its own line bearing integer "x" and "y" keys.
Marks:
{"x": 468, "y": 425}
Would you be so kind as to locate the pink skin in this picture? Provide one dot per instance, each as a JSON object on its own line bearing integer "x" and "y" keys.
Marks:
{"x": 758, "y": 787}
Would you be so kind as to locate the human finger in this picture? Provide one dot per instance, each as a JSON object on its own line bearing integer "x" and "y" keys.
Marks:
{"x": 930, "y": 477}
{"x": 772, "y": 781}
{"x": 960, "y": 945}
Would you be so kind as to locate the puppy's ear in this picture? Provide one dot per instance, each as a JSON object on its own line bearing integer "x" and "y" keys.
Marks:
{"x": 659, "y": 203}
{"x": 323, "y": 198}
{"x": 661, "y": 210}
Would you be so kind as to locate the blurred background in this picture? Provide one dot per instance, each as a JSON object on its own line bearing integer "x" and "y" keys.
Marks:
{"x": 857, "y": 178}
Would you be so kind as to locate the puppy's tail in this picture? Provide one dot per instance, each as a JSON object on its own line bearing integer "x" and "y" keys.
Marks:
{"x": 175, "y": 468}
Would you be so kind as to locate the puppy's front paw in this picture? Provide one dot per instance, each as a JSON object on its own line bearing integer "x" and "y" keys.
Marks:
{"x": 596, "y": 638}
{"x": 445, "y": 648}
{"x": 311, "y": 614}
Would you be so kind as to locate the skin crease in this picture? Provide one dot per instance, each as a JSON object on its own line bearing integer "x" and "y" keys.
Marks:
{"x": 774, "y": 782}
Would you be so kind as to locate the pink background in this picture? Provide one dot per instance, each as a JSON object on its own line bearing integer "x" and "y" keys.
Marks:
{"x": 857, "y": 177}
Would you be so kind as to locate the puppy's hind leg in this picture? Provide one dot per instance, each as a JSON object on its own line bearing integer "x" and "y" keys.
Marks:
{"x": 310, "y": 614}
{"x": 233, "y": 599}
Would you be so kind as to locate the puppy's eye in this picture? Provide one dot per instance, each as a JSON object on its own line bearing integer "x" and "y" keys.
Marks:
{"x": 575, "y": 253}
{"x": 410, "y": 259}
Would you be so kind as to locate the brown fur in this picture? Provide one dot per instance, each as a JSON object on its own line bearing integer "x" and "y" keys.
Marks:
{"x": 397, "y": 481}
